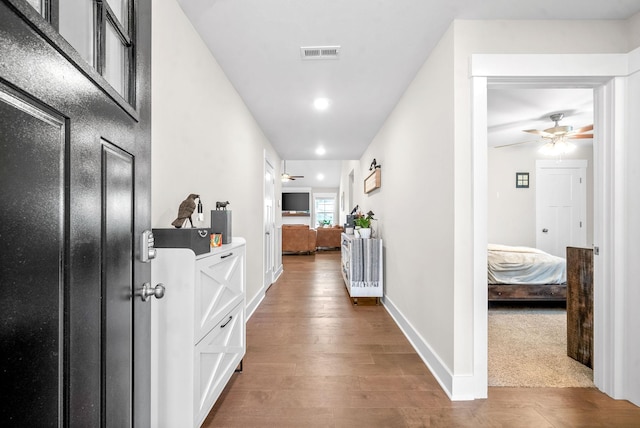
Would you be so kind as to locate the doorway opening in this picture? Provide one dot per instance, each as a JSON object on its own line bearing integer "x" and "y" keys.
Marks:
{"x": 527, "y": 337}
{"x": 494, "y": 71}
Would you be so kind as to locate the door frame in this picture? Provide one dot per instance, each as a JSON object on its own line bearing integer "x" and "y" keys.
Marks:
{"x": 574, "y": 164}
{"x": 269, "y": 170}
{"x": 605, "y": 74}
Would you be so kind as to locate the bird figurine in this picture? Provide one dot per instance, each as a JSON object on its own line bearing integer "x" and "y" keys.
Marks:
{"x": 185, "y": 210}
{"x": 374, "y": 165}
{"x": 354, "y": 210}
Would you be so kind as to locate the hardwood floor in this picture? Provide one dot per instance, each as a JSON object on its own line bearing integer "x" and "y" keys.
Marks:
{"x": 315, "y": 360}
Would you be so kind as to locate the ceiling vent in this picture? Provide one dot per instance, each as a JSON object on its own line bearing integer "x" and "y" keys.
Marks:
{"x": 320, "y": 52}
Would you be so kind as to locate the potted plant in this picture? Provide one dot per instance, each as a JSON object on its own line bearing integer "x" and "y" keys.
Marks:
{"x": 364, "y": 224}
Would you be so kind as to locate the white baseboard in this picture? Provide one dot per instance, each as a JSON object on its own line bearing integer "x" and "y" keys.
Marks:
{"x": 277, "y": 273}
{"x": 458, "y": 388}
{"x": 254, "y": 303}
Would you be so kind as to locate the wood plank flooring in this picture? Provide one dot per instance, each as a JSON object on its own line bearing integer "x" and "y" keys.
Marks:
{"x": 315, "y": 360}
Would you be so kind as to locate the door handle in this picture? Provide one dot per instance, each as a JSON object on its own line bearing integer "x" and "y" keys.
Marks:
{"x": 545, "y": 230}
{"x": 148, "y": 291}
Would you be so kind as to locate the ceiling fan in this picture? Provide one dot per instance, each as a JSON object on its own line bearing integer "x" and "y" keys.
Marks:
{"x": 286, "y": 176}
{"x": 556, "y": 137}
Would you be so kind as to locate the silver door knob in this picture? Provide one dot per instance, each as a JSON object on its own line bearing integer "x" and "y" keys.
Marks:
{"x": 148, "y": 291}
{"x": 545, "y": 230}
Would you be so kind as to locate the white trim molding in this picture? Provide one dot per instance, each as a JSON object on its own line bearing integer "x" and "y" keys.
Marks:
{"x": 606, "y": 74}
{"x": 251, "y": 306}
{"x": 457, "y": 388}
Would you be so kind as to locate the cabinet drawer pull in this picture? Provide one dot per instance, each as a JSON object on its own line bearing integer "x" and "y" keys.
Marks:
{"x": 228, "y": 321}
{"x": 228, "y": 255}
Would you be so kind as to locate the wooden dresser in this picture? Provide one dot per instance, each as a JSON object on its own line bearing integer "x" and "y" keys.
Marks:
{"x": 580, "y": 305}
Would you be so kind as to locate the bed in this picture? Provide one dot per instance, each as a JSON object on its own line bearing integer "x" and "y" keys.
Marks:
{"x": 523, "y": 273}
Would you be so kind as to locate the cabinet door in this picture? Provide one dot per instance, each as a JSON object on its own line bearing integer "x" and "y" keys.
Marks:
{"x": 216, "y": 358}
{"x": 219, "y": 286}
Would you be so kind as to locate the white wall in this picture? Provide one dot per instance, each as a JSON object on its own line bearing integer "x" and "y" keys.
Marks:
{"x": 633, "y": 24}
{"x": 425, "y": 151}
{"x": 204, "y": 139}
{"x": 414, "y": 205}
{"x": 632, "y": 225}
{"x": 512, "y": 212}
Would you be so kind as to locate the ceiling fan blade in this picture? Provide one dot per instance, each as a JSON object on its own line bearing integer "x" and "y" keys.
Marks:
{"x": 538, "y": 132}
{"x": 573, "y": 137}
{"x": 516, "y": 144}
{"x": 296, "y": 176}
{"x": 581, "y": 130}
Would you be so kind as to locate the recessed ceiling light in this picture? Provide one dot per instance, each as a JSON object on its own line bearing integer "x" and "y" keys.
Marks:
{"x": 320, "y": 177}
{"x": 321, "y": 103}
{"x": 320, "y": 151}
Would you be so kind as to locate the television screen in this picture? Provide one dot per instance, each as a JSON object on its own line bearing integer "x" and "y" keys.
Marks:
{"x": 295, "y": 202}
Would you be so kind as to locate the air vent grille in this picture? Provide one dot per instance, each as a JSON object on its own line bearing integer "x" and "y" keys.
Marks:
{"x": 320, "y": 52}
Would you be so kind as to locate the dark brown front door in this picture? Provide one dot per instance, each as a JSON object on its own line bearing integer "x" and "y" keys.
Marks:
{"x": 74, "y": 201}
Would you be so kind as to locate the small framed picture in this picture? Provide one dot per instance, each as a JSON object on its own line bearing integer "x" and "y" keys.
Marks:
{"x": 372, "y": 182}
{"x": 522, "y": 180}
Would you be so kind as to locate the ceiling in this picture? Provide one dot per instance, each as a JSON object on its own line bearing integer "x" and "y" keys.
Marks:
{"x": 511, "y": 111}
{"x": 382, "y": 45}
{"x": 329, "y": 170}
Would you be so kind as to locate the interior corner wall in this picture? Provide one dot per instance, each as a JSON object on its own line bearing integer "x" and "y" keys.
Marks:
{"x": 204, "y": 139}
{"x": 633, "y": 25}
{"x": 631, "y": 362}
{"x": 512, "y": 211}
{"x": 414, "y": 208}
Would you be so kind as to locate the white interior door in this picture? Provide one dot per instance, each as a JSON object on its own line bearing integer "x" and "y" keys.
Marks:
{"x": 269, "y": 222}
{"x": 561, "y": 205}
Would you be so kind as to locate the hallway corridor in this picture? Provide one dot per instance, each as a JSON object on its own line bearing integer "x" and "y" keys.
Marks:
{"x": 315, "y": 360}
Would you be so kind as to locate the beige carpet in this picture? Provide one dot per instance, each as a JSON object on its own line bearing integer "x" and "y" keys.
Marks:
{"x": 528, "y": 347}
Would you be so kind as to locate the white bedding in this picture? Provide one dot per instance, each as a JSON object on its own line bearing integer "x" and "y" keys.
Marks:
{"x": 524, "y": 265}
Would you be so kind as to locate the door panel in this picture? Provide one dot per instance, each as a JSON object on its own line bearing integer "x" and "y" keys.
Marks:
{"x": 71, "y": 233}
{"x": 560, "y": 207}
{"x": 117, "y": 287}
{"x": 32, "y": 147}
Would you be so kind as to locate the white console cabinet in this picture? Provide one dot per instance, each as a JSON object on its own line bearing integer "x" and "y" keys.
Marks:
{"x": 197, "y": 332}
{"x": 362, "y": 266}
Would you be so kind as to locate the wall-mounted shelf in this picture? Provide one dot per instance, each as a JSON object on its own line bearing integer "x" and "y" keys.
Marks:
{"x": 295, "y": 214}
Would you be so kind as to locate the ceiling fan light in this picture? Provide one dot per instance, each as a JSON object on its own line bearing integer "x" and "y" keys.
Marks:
{"x": 557, "y": 147}
{"x": 549, "y": 149}
{"x": 565, "y": 146}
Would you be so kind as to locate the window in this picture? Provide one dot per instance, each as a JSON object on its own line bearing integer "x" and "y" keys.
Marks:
{"x": 324, "y": 208}
{"x": 101, "y": 32}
